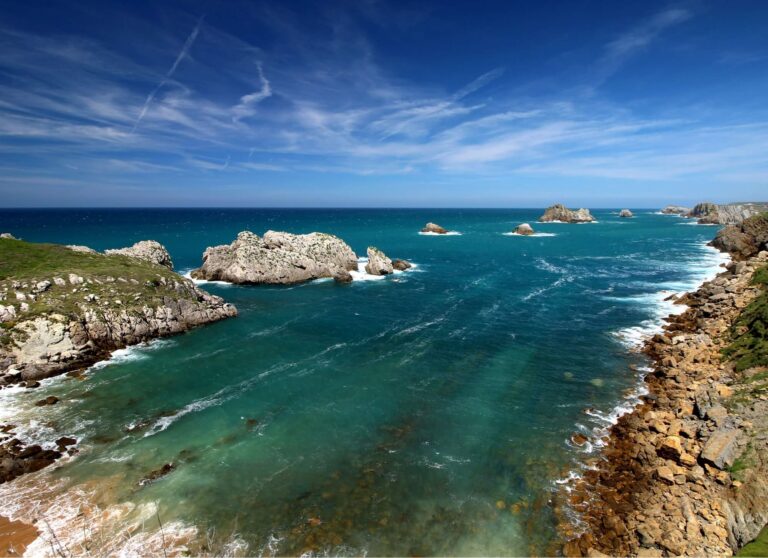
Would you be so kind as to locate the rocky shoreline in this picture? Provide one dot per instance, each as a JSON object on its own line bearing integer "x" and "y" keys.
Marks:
{"x": 686, "y": 472}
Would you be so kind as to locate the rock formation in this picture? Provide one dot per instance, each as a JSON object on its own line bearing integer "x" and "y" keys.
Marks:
{"x": 625, "y": 213}
{"x": 706, "y": 213}
{"x": 147, "y": 250}
{"x": 560, "y": 213}
{"x": 434, "y": 228}
{"x": 744, "y": 240}
{"x": 277, "y": 258}
{"x": 80, "y": 248}
{"x": 735, "y": 213}
{"x": 524, "y": 229}
{"x": 401, "y": 265}
{"x": 7, "y": 236}
{"x": 675, "y": 210}
{"x": 378, "y": 262}
{"x": 77, "y": 322}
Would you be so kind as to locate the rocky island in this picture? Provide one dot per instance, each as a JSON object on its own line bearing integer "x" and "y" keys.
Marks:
{"x": 558, "y": 213}
{"x": 625, "y": 213}
{"x": 434, "y": 228}
{"x": 280, "y": 258}
{"x": 675, "y": 210}
{"x": 685, "y": 473}
{"x": 524, "y": 229}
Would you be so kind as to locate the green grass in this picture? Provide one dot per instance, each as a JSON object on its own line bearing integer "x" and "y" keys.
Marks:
{"x": 26, "y": 262}
{"x": 749, "y": 347}
{"x": 758, "y": 547}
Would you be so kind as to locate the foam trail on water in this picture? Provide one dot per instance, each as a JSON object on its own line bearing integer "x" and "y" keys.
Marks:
{"x": 449, "y": 233}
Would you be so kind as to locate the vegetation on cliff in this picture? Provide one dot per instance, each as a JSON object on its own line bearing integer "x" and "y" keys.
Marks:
{"x": 749, "y": 347}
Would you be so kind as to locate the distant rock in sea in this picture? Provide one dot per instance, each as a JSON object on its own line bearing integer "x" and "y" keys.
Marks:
{"x": 401, "y": 265}
{"x": 675, "y": 210}
{"x": 625, "y": 213}
{"x": 560, "y": 213}
{"x": 277, "y": 258}
{"x": 147, "y": 250}
{"x": 378, "y": 262}
{"x": 524, "y": 229}
{"x": 434, "y": 228}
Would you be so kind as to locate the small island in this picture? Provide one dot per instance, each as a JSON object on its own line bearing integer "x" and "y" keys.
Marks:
{"x": 558, "y": 213}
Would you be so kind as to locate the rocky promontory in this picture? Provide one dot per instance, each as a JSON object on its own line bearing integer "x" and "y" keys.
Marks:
{"x": 744, "y": 239}
{"x": 708, "y": 213}
{"x": 686, "y": 472}
{"x": 63, "y": 309}
{"x": 277, "y": 258}
{"x": 558, "y": 213}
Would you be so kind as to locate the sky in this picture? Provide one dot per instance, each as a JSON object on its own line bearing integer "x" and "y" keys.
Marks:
{"x": 374, "y": 103}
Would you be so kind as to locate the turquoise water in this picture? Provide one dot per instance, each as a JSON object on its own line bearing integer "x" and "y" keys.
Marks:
{"x": 425, "y": 413}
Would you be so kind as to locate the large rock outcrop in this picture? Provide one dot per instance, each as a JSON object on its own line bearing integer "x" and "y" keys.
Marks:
{"x": 744, "y": 240}
{"x": 524, "y": 229}
{"x": 706, "y": 213}
{"x": 378, "y": 262}
{"x": 277, "y": 258}
{"x": 53, "y": 325}
{"x": 735, "y": 213}
{"x": 560, "y": 213}
{"x": 625, "y": 213}
{"x": 147, "y": 250}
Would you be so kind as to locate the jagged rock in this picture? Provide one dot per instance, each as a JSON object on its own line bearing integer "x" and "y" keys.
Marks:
{"x": 79, "y": 248}
{"x": 744, "y": 240}
{"x": 41, "y": 287}
{"x": 524, "y": 229}
{"x": 736, "y": 213}
{"x": 670, "y": 447}
{"x": 675, "y": 210}
{"x": 722, "y": 448}
{"x": 378, "y": 262}
{"x": 706, "y": 213}
{"x": 147, "y": 250}
{"x": 625, "y": 213}
{"x": 401, "y": 265}
{"x": 277, "y": 258}
{"x": 434, "y": 228}
{"x": 560, "y": 213}
{"x": 342, "y": 276}
{"x": 665, "y": 474}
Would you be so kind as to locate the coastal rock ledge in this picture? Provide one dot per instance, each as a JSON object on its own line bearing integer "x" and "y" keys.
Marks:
{"x": 277, "y": 258}
{"x": 558, "y": 213}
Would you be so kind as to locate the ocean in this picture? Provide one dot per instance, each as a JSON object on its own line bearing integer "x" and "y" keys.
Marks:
{"x": 425, "y": 413}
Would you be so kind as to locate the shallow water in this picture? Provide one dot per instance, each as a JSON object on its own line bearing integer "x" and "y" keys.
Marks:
{"x": 425, "y": 413}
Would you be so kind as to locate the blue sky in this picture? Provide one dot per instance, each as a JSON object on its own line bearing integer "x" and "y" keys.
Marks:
{"x": 378, "y": 103}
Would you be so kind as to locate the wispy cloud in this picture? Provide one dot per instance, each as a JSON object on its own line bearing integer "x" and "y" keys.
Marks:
{"x": 247, "y": 104}
{"x": 169, "y": 74}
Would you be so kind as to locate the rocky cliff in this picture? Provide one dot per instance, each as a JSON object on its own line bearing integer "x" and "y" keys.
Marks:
{"x": 277, "y": 258}
{"x": 709, "y": 213}
{"x": 560, "y": 213}
{"x": 744, "y": 239}
{"x": 686, "y": 473}
{"x": 63, "y": 309}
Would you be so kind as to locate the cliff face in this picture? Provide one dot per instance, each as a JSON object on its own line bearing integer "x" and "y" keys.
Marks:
{"x": 734, "y": 213}
{"x": 63, "y": 309}
{"x": 744, "y": 239}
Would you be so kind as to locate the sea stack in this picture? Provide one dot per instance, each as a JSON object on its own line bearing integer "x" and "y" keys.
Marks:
{"x": 524, "y": 229}
{"x": 434, "y": 228}
{"x": 277, "y": 258}
{"x": 625, "y": 213}
{"x": 561, "y": 214}
{"x": 378, "y": 262}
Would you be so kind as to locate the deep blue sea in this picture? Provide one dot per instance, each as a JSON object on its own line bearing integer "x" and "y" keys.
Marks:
{"x": 425, "y": 413}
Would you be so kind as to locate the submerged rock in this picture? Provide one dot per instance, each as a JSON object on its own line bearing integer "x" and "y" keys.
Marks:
{"x": 378, "y": 262}
{"x": 277, "y": 258}
{"x": 147, "y": 250}
{"x": 434, "y": 228}
{"x": 625, "y": 213}
{"x": 559, "y": 212}
{"x": 524, "y": 229}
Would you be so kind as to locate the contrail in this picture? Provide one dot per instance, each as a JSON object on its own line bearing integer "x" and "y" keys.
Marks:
{"x": 182, "y": 53}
